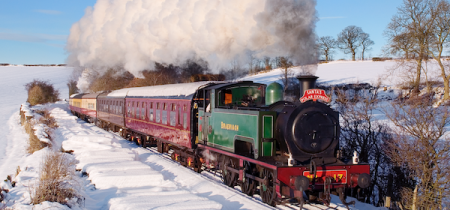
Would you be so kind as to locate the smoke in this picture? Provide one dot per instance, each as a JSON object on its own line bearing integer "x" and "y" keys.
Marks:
{"x": 133, "y": 34}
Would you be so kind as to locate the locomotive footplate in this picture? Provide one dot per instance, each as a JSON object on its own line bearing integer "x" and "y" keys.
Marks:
{"x": 322, "y": 180}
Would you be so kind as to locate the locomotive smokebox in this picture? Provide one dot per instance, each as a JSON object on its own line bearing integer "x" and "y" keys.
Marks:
{"x": 306, "y": 82}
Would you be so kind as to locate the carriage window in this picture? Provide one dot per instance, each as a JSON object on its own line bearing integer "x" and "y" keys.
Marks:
{"x": 164, "y": 114}
{"x": 150, "y": 113}
{"x": 129, "y": 109}
{"x": 164, "y": 117}
{"x": 179, "y": 116}
{"x": 132, "y": 109}
{"x": 137, "y": 110}
{"x": 144, "y": 104}
{"x": 185, "y": 120}
{"x": 158, "y": 113}
{"x": 172, "y": 114}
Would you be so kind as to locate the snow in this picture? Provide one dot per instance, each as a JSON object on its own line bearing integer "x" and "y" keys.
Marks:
{"x": 13, "y": 94}
{"x": 184, "y": 89}
{"x": 347, "y": 72}
{"x": 121, "y": 175}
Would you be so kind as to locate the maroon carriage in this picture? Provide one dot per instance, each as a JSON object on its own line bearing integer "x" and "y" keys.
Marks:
{"x": 110, "y": 112}
{"x": 162, "y": 113}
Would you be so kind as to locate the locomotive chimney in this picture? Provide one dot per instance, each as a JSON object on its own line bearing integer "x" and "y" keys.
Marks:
{"x": 306, "y": 82}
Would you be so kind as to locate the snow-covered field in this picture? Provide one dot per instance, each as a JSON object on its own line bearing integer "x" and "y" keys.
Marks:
{"x": 12, "y": 95}
{"x": 345, "y": 72}
{"x": 122, "y": 175}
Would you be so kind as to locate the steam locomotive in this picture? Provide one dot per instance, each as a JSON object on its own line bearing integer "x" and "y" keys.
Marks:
{"x": 244, "y": 130}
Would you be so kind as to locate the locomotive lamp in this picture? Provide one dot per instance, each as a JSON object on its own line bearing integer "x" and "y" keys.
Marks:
{"x": 355, "y": 158}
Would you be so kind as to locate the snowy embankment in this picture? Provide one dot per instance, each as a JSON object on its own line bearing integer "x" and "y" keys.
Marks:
{"x": 12, "y": 95}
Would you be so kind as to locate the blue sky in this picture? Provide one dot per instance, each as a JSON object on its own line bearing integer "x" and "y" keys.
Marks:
{"x": 35, "y": 31}
{"x": 372, "y": 16}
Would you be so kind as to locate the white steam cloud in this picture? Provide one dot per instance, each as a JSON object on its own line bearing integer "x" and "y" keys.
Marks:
{"x": 134, "y": 34}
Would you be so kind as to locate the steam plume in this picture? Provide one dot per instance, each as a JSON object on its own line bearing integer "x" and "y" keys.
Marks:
{"x": 134, "y": 34}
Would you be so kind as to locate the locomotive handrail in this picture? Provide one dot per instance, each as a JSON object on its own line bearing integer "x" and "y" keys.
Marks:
{"x": 264, "y": 164}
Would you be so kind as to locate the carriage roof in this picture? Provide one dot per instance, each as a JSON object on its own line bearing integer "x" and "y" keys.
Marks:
{"x": 178, "y": 91}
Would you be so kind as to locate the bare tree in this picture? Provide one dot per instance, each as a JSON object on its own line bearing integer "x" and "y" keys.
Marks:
{"x": 399, "y": 44}
{"x": 72, "y": 85}
{"x": 252, "y": 63}
{"x": 366, "y": 42}
{"x": 286, "y": 71}
{"x": 113, "y": 79}
{"x": 363, "y": 133}
{"x": 421, "y": 144}
{"x": 326, "y": 45}
{"x": 350, "y": 39}
{"x": 189, "y": 68}
{"x": 439, "y": 37}
{"x": 410, "y": 27}
{"x": 267, "y": 63}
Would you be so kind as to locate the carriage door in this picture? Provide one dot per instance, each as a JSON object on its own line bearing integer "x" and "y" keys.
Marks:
{"x": 206, "y": 128}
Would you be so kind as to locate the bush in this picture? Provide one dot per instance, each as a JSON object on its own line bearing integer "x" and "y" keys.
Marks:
{"x": 40, "y": 92}
{"x": 113, "y": 79}
{"x": 72, "y": 85}
{"x": 380, "y": 59}
{"x": 57, "y": 180}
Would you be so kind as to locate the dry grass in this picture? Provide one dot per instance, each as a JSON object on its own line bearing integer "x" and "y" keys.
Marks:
{"x": 47, "y": 119}
{"x": 34, "y": 144}
{"x": 57, "y": 180}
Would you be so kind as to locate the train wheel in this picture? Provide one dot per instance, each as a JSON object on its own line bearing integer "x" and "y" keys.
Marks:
{"x": 229, "y": 178}
{"x": 266, "y": 188}
{"x": 144, "y": 141}
{"x": 248, "y": 185}
{"x": 160, "y": 146}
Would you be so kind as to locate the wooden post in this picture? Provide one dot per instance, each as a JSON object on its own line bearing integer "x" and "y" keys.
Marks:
{"x": 387, "y": 202}
{"x": 414, "y": 198}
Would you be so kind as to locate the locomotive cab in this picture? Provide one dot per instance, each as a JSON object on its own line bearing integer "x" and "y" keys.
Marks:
{"x": 235, "y": 119}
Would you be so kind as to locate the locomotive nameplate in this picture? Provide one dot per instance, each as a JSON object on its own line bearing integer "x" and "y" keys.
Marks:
{"x": 230, "y": 127}
{"x": 315, "y": 94}
{"x": 338, "y": 176}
